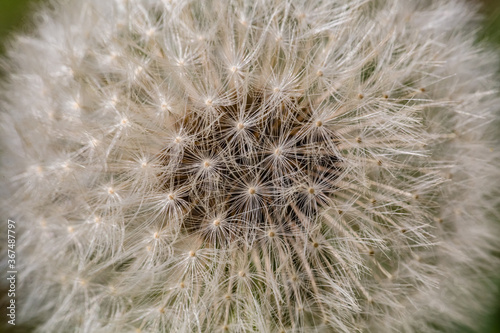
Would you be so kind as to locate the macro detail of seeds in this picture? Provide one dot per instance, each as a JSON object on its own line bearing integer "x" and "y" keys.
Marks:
{"x": 252, "y": 166}
{"x": 251, "y": 169}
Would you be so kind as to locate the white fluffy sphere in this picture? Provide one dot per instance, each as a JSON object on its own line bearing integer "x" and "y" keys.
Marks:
{"x": 251, "y": 166}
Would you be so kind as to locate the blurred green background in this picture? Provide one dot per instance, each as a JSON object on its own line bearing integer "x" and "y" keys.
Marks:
{"x": 13, "y": 17}
{"x": 12, "y": 14}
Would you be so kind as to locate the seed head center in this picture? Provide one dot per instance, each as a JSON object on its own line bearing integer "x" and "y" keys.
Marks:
{"x": 255, "y": 185}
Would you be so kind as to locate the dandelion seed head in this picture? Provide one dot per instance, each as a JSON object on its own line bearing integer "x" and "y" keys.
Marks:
{"x": 251, "y": 166}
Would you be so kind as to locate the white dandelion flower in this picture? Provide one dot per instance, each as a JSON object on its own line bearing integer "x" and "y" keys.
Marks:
{"x": 251, "y": 166}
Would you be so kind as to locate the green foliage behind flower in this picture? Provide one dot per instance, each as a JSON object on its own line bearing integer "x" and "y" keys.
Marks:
{"x": 11, "y": 14}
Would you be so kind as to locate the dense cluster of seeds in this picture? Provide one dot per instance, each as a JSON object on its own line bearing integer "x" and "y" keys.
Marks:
{"x": 253, "y": 167}
{"x": 250, "y": 166}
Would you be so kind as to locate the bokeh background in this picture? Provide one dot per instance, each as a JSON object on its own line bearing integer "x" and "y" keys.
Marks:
{"x": 14, "y": 16}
